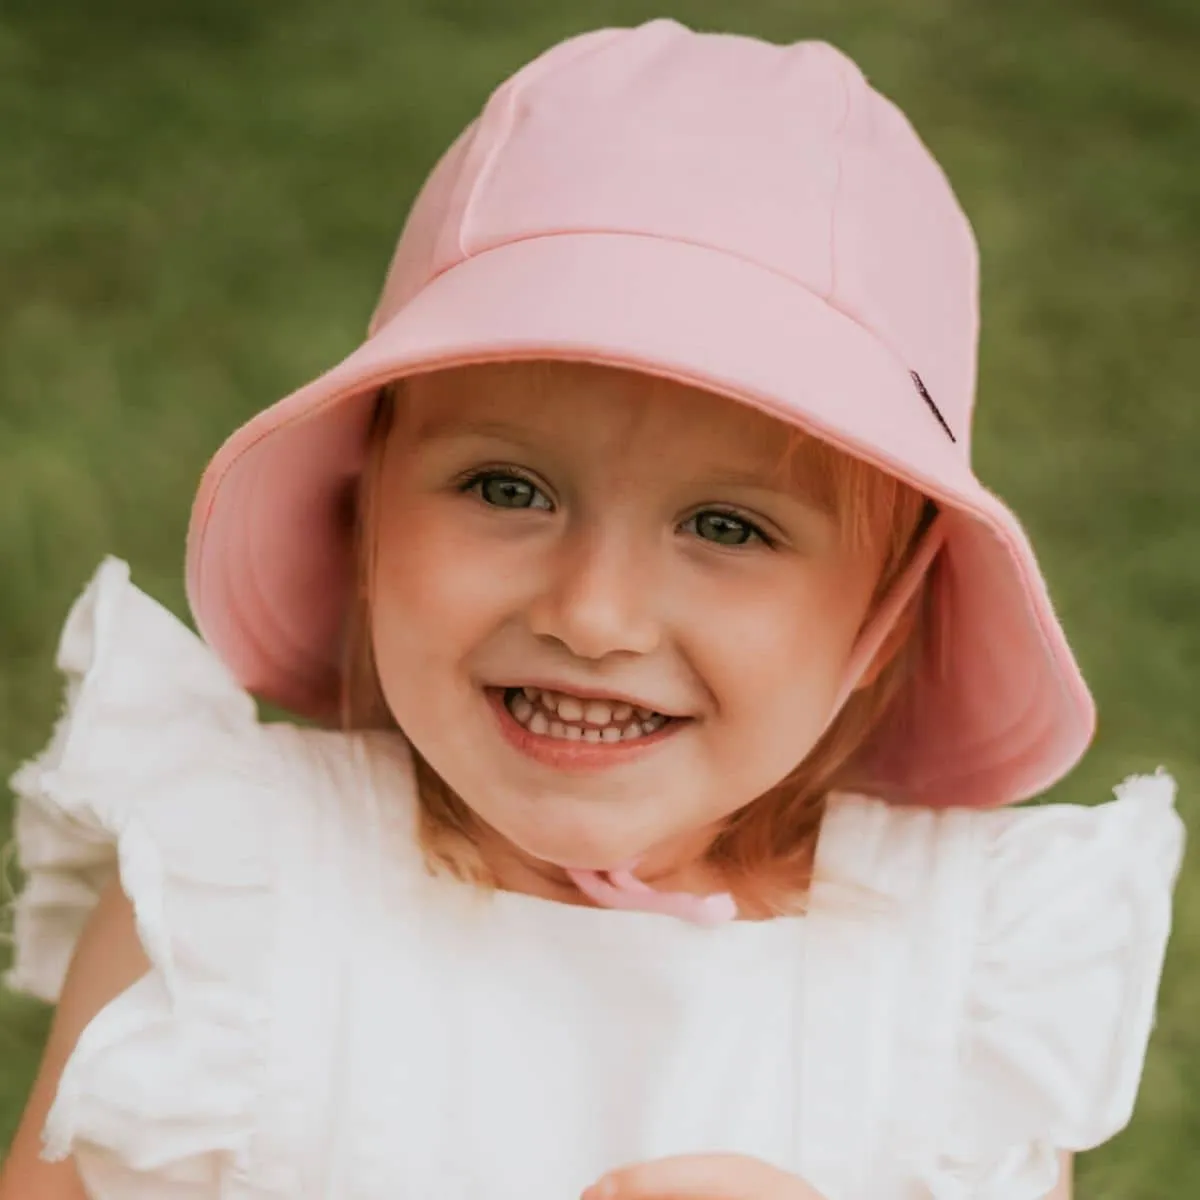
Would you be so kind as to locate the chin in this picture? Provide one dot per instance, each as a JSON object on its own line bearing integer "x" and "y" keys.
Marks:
{"x": 581, "y": 845}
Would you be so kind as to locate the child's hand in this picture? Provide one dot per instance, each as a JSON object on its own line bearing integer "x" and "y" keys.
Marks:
{"x": 701, "y": 1177}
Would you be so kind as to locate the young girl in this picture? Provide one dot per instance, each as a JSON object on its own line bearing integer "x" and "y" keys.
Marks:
{"x": 676, "y": 671}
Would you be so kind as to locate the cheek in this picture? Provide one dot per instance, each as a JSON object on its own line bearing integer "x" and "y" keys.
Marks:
{"x": 776, "y": 661}
{"x": 428, "y": 610}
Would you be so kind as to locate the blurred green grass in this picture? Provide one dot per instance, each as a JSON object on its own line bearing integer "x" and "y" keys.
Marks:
{"x": 198, "y": 199}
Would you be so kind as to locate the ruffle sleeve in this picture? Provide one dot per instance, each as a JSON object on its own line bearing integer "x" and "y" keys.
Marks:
{"x": 157, "y": 771}
{"x": 1074, "y": 918}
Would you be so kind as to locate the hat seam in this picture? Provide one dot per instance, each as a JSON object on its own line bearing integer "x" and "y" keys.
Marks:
{"x": 541, "y": 235}
{"x": 509, "y": 96}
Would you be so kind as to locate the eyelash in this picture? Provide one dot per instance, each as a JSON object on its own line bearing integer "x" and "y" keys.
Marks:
{"x": 756, "y": 534}
{"x": 473, "y": 481}
{"x": 476, "y": 478}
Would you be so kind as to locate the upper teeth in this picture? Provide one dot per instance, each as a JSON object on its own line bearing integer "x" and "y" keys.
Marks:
{"x": 574, "y": 719}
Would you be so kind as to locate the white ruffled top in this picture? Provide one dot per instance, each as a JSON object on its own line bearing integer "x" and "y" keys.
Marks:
{"x": 969, "y": 992}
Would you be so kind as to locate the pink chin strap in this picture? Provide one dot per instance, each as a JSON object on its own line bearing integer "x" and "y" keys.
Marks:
{"x": 623, "y": 889}
{"x": 620, "y": 888}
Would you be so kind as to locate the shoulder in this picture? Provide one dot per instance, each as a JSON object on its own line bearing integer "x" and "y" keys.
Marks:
{"x": 159, "y": 768}
{"x": 1032, "y": 945}
{"x": 161, "y": 816}
{"x": 1033, "y": 853}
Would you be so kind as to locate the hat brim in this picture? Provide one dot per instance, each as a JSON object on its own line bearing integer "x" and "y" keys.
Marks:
{"x": 997, "y": 711}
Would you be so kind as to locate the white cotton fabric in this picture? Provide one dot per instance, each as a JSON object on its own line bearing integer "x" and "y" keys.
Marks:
{"x": 323, "y": 1019}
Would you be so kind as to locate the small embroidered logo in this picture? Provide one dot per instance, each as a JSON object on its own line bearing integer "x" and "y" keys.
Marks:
{"x": 933, "y": 407}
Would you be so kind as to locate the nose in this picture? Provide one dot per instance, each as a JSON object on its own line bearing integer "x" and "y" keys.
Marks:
{"x": 597, "y": 597}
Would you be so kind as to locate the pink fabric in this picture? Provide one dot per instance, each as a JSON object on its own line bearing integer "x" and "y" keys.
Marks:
{"x": 748, "y": 218}
{"x": 623, "y": 889}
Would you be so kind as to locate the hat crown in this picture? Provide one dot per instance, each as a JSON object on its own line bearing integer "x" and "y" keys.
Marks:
{"x": 783, "y": 156}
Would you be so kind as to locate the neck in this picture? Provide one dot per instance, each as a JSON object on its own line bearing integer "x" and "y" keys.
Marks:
{"x": 681, "y": 866}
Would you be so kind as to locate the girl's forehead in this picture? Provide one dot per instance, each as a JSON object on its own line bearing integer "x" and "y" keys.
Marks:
{"x": 595, "y": 407}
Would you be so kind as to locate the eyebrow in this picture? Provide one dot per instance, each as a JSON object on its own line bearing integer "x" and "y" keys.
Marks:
{"x": 712, "y": 475}
{"x": 797, "y": 488}
{"x": 435, "y": 431}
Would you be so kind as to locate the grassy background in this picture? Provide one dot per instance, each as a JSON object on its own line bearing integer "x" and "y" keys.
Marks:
{"x": 197, "y": 202}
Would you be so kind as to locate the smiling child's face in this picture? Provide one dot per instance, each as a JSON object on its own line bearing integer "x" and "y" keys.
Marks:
{"x": 557, "y": 550}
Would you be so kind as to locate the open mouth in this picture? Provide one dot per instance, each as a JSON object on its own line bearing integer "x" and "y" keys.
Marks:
{"x": 571, "y": 719}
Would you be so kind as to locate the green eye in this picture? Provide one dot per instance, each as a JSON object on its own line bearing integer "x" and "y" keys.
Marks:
{"x": 507, "y": 491}
{"x": 723, "y": 528}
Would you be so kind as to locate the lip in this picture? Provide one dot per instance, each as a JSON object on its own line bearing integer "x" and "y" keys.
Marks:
{"x": 574, "y": 756}
{"x": 585, "y": 693}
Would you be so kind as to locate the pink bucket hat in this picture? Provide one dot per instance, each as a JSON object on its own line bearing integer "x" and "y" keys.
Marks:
{"x": 747, "y": 218}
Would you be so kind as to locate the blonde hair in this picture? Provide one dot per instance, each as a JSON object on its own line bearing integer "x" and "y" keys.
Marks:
{"x": 765, "y": 851}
